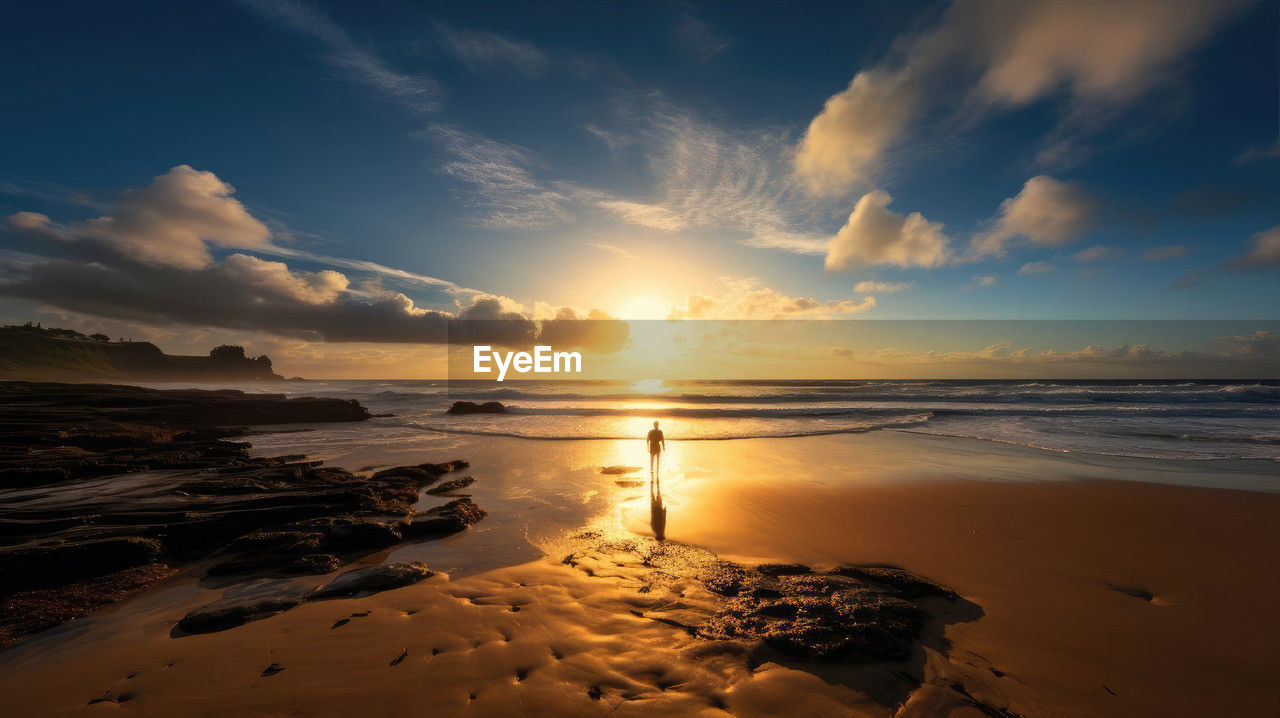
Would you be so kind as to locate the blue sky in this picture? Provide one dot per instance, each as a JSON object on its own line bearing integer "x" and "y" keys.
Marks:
{"x": 758, "y": 160}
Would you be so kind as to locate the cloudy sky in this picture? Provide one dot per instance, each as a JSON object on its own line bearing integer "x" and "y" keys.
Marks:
{"x": 331, "y": 182}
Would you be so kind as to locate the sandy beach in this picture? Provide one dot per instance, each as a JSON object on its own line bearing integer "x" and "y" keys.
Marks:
{"x": 1086, "y": 588}
{"x": 898, "y": 359}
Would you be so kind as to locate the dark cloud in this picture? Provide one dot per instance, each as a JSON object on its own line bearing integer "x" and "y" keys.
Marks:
{"x": 251, "y": 294}
{"x": 149, "y": 260}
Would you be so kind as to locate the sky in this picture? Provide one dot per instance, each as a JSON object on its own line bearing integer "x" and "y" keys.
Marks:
{"x": 331, "y": 183}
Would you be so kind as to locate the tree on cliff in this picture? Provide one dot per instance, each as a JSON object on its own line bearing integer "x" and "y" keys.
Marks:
{"x": 227, "y": 352}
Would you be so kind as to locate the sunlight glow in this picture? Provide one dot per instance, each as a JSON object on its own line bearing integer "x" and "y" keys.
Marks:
{"x": 644, "y": 306}
{"x": 647, "y": 386}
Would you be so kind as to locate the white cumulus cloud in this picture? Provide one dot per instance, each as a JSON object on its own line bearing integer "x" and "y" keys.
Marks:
{"x": 169, "y": 222}
{"x": 996, "y": 55}
{"x": 846, "y": 142}
{"x": 1047, "y": 213}
{"x": 875, "y": 235}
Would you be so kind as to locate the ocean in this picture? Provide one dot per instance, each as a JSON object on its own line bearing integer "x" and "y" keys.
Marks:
{"x": 1154, "y": 419}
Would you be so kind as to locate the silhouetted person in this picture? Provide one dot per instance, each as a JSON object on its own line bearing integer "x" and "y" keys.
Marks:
{"x": 657, "y": 444}
{"x": 657, "y": 512}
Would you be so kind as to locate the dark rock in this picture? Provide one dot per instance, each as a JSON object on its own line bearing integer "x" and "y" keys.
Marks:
{"x": 27, "y": 612}
{"x": 445, "y": 520}
{"x": 724, "y": 577}
{"x": 777, "y": 610}
{"x": 313, "y": 563}
{"x": 80, "y": 537}
{"x": 272, "y": 669}
{"x": 446, "y": 467}
{"x": 351, "y": 534}
{"x": 451, "y": 486}
{"x": 420, "y": 475}
{"x": 19, "y": 476}
{"x": 907, "y": 584}
{"x": 57, "y": 562}
{"x": 238, "y": 605}
{"x": 783, "y": 569}
{"x": 373, "y": 579}
{"x": 787, "y": 607}
{"x": 619, "y": 470}
{"x": 467, "y": 407}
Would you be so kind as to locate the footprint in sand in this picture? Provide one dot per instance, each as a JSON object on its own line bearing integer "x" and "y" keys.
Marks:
{"x": 345, "y": 621}
{"x": 1141, "y": 593}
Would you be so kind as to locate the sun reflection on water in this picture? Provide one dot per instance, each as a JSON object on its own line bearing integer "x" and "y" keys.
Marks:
{"x": 648, "y": 386}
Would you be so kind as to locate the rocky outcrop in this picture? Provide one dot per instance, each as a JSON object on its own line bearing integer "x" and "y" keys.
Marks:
{"x": 849, "y": 614}
{"x": 452, "y": 486}
{"x": 55, "y": 432}
{"x": 445, "y": 520}
{"x": 467, "y": 407}
{"x": 64, "y": 559}
{"x": 241, "y": 604}
{"x": 373, "y": 579}
{"x": 110, "y": 487}
{"x": 905, "y": 583}
{"x": 268, "y": 596}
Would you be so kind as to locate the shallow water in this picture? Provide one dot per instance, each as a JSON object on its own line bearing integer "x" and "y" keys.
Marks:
{"x": 1150, "y": 419}
{"x": 536, "y": 491}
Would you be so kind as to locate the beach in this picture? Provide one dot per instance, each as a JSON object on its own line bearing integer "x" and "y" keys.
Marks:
{"x": 1088, "y": 585}
{"x": 718, "y": 359}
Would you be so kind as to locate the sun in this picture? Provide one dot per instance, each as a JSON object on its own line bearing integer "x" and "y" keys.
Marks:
{"x": 644, "y": 306}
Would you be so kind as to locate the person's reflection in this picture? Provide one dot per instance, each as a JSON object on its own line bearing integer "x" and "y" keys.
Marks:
{"x": 657, "y": 512}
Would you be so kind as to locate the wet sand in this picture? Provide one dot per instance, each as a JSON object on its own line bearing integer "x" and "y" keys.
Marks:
{"x": 1095, "y": 595}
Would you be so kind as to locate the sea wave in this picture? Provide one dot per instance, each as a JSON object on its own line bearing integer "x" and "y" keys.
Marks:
{"x": 1032, "y": 394}
{"x": 531, "y": 430}
{"x": 1191, "y": 419}
{"x": 770, "y": 412}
